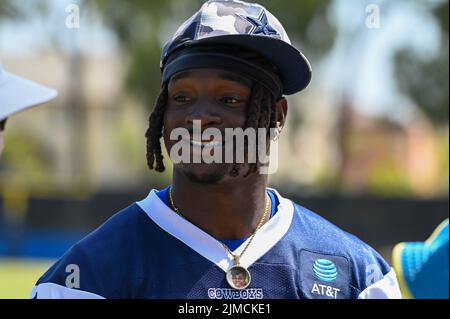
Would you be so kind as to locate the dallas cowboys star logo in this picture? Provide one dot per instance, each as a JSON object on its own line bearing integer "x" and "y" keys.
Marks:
{"x": 260, "y": 25}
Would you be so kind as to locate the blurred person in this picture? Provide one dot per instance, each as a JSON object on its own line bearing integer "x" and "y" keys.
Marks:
{"x": 422, "y": 267}
{"x": 229, "y": 66}
{"x": 17, "y": 94}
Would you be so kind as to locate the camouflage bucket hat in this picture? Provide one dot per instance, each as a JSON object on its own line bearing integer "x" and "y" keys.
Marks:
{"x": 248, "y": 26}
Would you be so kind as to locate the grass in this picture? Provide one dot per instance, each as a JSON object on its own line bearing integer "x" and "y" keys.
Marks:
{"x": 18, "y": 276}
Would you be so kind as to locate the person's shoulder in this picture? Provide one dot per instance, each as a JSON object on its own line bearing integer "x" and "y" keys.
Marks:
{"x": 332, "y": 238}
{"x": 117, "y": 230}
{"x": 322, "y": 238}
{"x": 122, "y": 232}
{"x": 96, "y": 264}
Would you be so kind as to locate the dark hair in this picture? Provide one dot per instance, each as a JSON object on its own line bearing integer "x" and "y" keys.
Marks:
{"x": 2, "y": 124}
{"x": 235, "y": 272}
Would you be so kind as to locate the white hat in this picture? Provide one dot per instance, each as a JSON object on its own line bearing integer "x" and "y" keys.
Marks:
{"x": 17, "y": 94}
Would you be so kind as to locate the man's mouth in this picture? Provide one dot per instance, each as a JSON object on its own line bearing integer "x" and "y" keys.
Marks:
{"x": 203, "y": 143}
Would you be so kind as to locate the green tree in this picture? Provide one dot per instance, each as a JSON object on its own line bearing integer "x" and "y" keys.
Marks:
{"x": 20, "y": 10}
{"x": 426, "y": 82}
{"x": 8, "y": 10}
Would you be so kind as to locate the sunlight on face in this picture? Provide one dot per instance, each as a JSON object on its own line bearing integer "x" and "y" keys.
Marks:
{"x": 218, "y": 99}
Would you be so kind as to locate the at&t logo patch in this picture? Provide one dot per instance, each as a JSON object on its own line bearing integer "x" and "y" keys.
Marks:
{"x": 324, "y": 276}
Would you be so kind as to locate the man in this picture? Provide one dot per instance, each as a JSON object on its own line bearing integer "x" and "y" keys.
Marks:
{"x": 226, "y": 68}
{"x": 17, "y": 94}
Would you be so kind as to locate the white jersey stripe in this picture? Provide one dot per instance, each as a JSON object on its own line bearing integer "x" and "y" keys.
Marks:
{"x": 386, "y": 288}
{"x": 50, "y": 290}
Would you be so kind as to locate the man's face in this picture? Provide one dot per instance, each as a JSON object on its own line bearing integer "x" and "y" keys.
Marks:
{"x": 218, "y": 99}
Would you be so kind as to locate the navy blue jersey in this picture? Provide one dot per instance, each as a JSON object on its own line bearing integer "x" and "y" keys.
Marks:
{"x": 148, "y": 251}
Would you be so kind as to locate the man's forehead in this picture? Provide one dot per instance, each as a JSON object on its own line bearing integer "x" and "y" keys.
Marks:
{"x": 221, "y": 74}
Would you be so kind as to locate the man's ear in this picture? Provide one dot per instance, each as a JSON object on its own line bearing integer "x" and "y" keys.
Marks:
{"x": 282, "y": 108}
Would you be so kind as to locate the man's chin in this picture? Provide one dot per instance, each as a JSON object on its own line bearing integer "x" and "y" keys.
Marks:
{"x": 206, "y": 174}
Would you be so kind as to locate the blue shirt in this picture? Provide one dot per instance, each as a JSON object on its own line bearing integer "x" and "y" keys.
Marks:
{"x": 148, "y": 251}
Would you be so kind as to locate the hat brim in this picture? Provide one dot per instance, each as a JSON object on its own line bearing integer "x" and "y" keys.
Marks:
{"x": 295, "y": 70}
{"x": 17, "y": 94}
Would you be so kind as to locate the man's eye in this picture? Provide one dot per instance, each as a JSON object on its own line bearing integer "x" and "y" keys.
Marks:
{"x": 230, "y": 100}
{"x": 181, "y": 99}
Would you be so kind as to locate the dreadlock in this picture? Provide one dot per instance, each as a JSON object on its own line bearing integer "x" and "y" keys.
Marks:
{"x": 2, "y": 124}
{"x": 154, "y": 132}
{"x": 261, "y": 113}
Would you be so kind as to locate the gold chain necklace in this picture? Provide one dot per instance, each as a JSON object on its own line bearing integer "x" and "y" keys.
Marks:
{"x": 237, "y": 276}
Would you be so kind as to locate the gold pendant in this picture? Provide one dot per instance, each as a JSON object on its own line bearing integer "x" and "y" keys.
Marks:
{"x": 238, "y": 277}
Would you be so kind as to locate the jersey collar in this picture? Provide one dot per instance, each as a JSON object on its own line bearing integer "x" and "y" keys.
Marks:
{"x": 209, "y": 247}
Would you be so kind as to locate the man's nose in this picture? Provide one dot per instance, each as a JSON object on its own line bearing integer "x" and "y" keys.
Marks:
{"x": 205, "y": 111}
